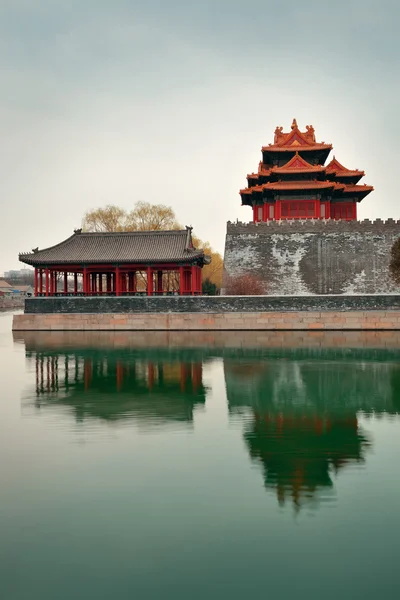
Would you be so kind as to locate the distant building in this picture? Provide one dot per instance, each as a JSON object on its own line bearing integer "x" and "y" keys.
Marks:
{"x": 18, "y": 274}
{"x": 5, "y": 288}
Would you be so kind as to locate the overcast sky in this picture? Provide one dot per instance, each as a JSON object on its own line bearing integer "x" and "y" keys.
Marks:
{"x": 170, "y": 101}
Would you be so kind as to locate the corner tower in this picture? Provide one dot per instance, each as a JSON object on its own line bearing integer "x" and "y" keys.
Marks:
{"x": 293, "y": 182}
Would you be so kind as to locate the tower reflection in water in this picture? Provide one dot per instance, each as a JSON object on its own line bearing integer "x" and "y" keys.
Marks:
{"x": 116, "y": 386}
{"x": 302, "y": 419}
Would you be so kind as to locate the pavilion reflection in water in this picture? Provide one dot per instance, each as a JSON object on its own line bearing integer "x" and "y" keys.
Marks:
{"x": 117, "y": 386}
{"x": 302, "y": 418}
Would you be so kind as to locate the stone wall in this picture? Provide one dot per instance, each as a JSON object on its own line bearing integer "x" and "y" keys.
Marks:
{"x": 294, "y": 320}
{"x": 10, "y": 303}
{"x": 209, "y": 304}
{"x": 314, "y": 257}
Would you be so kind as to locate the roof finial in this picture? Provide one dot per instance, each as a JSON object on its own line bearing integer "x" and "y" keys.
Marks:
{"x": 294, "y": 124}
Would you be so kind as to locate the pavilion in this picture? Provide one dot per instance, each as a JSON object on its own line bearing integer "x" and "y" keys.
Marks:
{"x": 119, "y": 264}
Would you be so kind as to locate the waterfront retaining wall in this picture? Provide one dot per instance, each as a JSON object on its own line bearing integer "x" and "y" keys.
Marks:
{"x": 277, "y": 320}
{"x": 313, "y": 256}
{"x": 11, "y": 303}
{"x": 209, "y": 304}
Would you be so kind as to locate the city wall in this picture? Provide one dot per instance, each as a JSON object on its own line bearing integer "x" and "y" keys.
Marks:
{"x": 313, "y": 256}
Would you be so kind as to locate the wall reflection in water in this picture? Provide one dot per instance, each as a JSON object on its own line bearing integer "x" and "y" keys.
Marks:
{"x": 302, "y": 418}
{"x": 116, "y": 386}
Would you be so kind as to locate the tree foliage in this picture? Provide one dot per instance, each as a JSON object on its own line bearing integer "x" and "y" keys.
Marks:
{"x": 244, "y": 285}
{"x": 149, "y": 217}
{"x": 394, "y": 266}
{"x": 209, "y": 288}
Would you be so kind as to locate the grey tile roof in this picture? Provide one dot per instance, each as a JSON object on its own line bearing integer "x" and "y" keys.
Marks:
{"x": 118, "y": 248}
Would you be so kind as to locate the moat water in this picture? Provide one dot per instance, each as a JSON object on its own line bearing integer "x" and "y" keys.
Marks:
{"x": 167, "y": 466}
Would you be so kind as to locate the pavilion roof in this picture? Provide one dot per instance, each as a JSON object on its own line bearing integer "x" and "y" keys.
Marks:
{"x": 293, "y": 185}
{"x": 119, "y": 247}
{"x": 295, "y": 140}
{"x": 336, "y": 167}
{"x": 297, "y": 164}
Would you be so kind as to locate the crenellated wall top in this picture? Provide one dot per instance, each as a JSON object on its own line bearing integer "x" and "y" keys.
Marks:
{"x": 314, "y": 225}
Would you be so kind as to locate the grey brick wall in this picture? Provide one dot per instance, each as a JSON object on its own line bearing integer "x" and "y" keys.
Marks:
{"x": 210, "y": 304}
{"x": 314, "y": 257}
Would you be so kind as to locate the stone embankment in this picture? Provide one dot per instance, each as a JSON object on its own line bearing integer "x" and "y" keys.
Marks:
{"x": 11, "y": 303}
{"x": 202, "y": 313}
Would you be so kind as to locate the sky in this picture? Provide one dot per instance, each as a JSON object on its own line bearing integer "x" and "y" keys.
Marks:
{"x": 170, "y": 101}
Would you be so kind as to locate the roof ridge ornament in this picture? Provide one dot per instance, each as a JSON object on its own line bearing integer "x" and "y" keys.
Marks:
{"x": 78, "y": 230}
{"x": 294, "y": 124}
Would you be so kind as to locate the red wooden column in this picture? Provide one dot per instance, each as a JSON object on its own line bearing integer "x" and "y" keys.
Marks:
{"x": 36, "y": 282}
{"x": 265, "y": 212}
{"x": 193, "y": 279}
{"x": 132, "y": 282}
{"x": 354, "y": 210}
{"x": 41, "y": 281}
{"x": 51, "y": 291}
{"x": 159, "y": 282}
{"x": 181, "y": 281}
{"x": 65, "y": 283}
{"x": 123, "y": 283}
{"x": 117, "y": 282}
{"x": 47, "y": 281}
{"x": 75, "y": 283}
{"x": 94, "y": 283}
{"x": 278, "y": 210}
{"x": 149, "y": 281}
{"x": 85, "y": 282}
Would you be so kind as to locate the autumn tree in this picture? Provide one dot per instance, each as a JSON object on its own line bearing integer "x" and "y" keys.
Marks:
{"x": 109, "y": 218}
{"x": 149, "y": 217}
{"x": 244, "y": 285}
{"x": 394, "y": 266}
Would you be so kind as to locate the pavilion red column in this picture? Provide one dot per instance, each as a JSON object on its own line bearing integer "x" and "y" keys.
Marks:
{"x": 75, "y": 284}
{"x": 149, "y": 281}
{"x": 117, "y": 282}
{"x": 131, "y": 282}
{"x": 41, "y": 281}
{"x": 36, "y": 282}
{"x": 181, "y": 281}
{"x": 94, "y": 283}
{"x": 123, "y": 283}
{"x": 193, "y": 279}
{"x": 85, "y": 282}
{"x": 47, "y": 281}
{"x": 65, "y": 283}
{"x": 354, "y": 210}
{"x": 159, "y": 282}
{"x": 51, "y": 283}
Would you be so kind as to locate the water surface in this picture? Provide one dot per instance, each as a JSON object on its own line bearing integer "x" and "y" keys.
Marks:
{"x": 199, "y": 466}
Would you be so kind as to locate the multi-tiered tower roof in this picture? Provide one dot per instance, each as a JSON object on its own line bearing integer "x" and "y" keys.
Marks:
{"x": 293, "y": 181}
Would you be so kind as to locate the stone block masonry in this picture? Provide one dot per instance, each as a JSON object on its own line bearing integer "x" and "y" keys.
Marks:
{"x": 157, "y": 305}
{"x": 314, "y": 256}
{"x": 211, "y": 313}
{"x": 266, "y": 321}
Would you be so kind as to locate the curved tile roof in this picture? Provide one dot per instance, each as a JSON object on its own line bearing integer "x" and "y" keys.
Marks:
{"x": 119, "y": 247}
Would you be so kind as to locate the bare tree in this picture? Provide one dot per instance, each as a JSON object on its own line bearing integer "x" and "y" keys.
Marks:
{"x": 244, "y": 285}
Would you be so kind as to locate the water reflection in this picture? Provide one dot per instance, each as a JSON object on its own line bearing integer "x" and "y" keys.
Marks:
{"x": 299, "y": 407}
{"x": 116, "y": 386}
{"x": 302, "y": 418}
